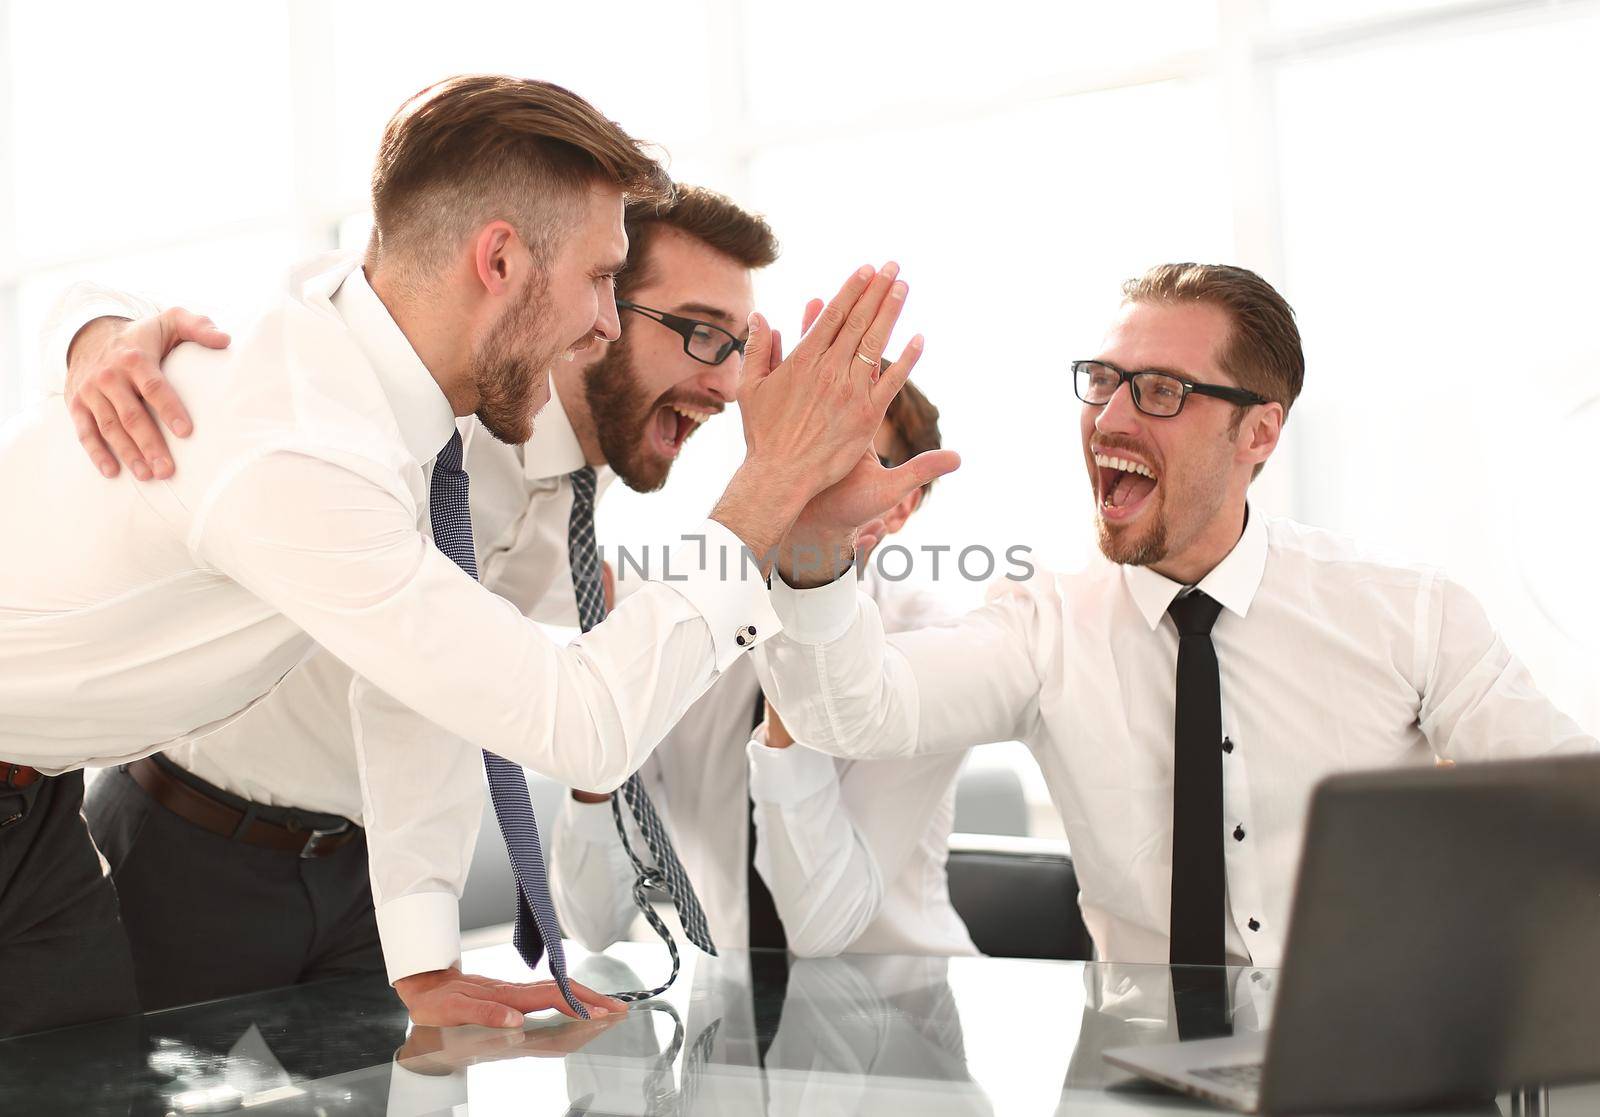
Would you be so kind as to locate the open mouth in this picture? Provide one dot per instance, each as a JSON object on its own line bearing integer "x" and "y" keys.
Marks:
{"x": 1124, "y": 485}
{"x": 673, "y": 423}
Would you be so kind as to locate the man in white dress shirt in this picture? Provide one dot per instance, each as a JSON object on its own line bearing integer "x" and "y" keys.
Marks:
{"x": 138, "y": 618}
{"x": 283, "y": 907}
{"x": 848, "y": 855}
{"x": 1319, "y": 657}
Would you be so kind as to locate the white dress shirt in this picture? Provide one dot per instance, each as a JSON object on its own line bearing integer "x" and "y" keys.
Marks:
{"x": 297, "y": 516}
{"x": 853, "y": 853}
{"x": 297, "y": 747}
{"x": 1330, "y": 660}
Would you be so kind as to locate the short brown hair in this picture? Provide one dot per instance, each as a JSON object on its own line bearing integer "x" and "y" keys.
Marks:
{"x": 1263, "y": 351}
{"x": 483, "y": 147}
{"x": 706, "y": 216}
{"x": 915, "y": 421}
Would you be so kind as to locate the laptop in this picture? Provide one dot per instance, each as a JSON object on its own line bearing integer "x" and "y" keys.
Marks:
{"x": 1444, "y": 947}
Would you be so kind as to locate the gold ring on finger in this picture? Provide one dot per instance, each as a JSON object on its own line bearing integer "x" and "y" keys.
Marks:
{"x": 860, "y": 356}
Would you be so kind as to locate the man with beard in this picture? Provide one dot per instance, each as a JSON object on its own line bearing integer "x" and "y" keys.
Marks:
{"x": 321, "y": 500}
{"x": 1183, "y": 696}
{"x": 623, "y": 408}
{"x": 788, "y": 848}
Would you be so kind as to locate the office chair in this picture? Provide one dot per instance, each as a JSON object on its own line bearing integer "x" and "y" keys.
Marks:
{"x": 1018, "y": 897}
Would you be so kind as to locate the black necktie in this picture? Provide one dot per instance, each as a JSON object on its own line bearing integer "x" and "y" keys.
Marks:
{"x": 537, "y": 930}
{"x": 1199, "y": 884}
{"x": 766, "y": 929}
{"x": 769, "y": 944}
{"x": 584, "y": 557}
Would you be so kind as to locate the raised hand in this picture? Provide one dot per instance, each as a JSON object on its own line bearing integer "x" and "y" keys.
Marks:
{"x": 847, "y": 516}
{"x": 810, "y": 416}
{"x": 114, "y": 383}
{"x": 816, "y": 409}
{"x": 822, "y": 542}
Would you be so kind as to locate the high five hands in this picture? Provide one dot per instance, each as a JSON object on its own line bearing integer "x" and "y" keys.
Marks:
{"x": 810, "y": 477}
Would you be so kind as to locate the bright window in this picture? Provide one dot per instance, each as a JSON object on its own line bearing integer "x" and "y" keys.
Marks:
{"x": 1419, "y": 177}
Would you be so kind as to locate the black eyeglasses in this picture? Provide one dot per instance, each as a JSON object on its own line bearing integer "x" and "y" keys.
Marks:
{"x": 706, "y": 343}
{"x": 1159, "y": 394}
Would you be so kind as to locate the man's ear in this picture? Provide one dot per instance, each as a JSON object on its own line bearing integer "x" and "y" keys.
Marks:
{"x": 896, "y": 517}
{"x": 1259, "y": 434}
{"x": 494, "y": 260}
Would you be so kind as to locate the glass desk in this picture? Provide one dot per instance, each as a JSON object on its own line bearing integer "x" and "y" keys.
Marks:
{"x": 744, "y": 1033}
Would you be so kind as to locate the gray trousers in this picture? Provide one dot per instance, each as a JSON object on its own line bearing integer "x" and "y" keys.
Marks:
{"x": 211, "y": 917}
{"x": 63, "y": 955}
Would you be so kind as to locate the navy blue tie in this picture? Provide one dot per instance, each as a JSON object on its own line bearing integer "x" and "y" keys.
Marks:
{"x": 537, "y": 931}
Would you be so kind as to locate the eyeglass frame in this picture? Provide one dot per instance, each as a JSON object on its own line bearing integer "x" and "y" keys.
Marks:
{"x": 1242, "y": 397}
{"x": 684, "y": 328}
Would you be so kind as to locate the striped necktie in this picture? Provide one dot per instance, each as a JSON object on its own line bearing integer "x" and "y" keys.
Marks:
{"x": 537, "y": 930}
{"x": 667, "y": 872}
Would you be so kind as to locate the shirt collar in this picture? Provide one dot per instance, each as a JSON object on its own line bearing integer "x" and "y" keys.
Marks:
{"x": 553, "y": 451}
{"x": 1232, "y": 583}
{"x": 421, "y": 410}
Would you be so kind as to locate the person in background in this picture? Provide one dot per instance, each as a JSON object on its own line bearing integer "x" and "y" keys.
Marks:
{"x": 788, "y": 847}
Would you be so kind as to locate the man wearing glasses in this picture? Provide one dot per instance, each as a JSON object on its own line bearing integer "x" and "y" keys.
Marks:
{"x": 1183, "y": 696}
{"x": 788, "y": 848}
{"x": 287, "y": 899}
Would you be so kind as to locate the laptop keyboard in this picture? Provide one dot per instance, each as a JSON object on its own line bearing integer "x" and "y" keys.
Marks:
{"x": 1239, "y": 1076}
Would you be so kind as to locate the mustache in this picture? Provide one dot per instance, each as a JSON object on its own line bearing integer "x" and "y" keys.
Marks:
{"x": 1114, "y": 442}
{"x": 701, "y": 403}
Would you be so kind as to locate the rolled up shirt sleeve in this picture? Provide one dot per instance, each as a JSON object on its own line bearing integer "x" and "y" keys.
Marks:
{"x": 591, "y": 878}
{"x": 79, "y": 305}
{"x": 825, "y": 882}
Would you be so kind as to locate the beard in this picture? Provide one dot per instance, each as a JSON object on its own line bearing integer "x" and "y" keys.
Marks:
{"x": 620, "y": 409}
{"x": 1167, "y": 527}
{"x": 1128, "y": 545}
{"x": 511, "y": 364}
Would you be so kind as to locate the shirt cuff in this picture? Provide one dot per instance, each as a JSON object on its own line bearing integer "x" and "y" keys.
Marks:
{"x": 716, "y": 572}
{"x": 590, "y": 822}
{"x": 784, "y": 777}
{"x": 816, "y": 616}
{"x": 79, "y": 305}
{"x": 420, "y": 932}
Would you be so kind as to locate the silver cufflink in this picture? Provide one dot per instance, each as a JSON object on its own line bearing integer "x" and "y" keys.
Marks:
{"x": 745, "y": 636}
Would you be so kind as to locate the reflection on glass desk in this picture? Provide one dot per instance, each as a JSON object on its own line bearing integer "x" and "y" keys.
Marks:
{"x": 744, "y": 1033}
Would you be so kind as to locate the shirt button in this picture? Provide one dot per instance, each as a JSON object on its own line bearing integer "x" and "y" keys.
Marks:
{"x": 1254, "y": 924}
{"x": 1227, "y": 745}
{"x": 1238, "y": 833}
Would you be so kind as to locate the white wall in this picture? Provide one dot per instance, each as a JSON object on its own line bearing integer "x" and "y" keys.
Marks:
{"x": 1419, "y": 177}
